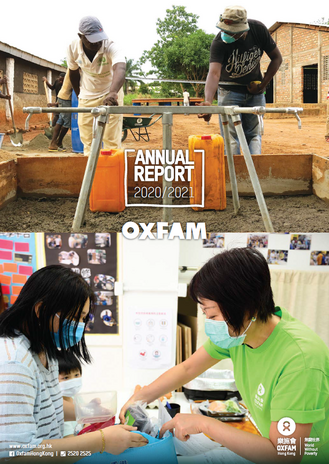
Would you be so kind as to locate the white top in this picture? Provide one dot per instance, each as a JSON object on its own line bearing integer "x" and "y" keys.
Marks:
{"x": 96, "y": 76}
{"x": 186, "y": 96}
{"x": 31, "y": 400}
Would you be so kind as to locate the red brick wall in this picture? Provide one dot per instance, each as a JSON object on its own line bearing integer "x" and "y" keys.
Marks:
{"x": 305, "y": 51}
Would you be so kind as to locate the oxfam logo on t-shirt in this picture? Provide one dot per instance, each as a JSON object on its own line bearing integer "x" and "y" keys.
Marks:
{"x": 259, "y": 401}
{"x": 261, "y": 389}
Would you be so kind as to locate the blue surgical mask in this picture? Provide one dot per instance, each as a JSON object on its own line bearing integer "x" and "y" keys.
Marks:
{"x": 227, "y": 38}
{"x": 69, "y": 337}
{"x": 218, "y": 333}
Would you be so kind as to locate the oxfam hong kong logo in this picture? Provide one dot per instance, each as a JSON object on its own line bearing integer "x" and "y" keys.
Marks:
{"x": 261, "y": 389}
{"x": 286, "y": 426}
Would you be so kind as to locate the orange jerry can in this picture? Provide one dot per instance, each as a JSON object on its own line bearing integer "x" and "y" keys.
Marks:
{"x": 214, "y": 176}
{"x": 108, "y": 191}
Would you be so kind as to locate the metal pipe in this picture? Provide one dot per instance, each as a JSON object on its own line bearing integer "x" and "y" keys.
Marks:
{"x": 27, "y": 121}
{"x": 299, "y": 120}
{"x": 230, "y": 162}
{"x": 104, "y": 111}
{"x": 165, "y": 109}
{"x": 89, "y": 173}
{"x": 167, "y": 122}
{"x": 261, "y": 123}
{"x": 253, "y": 174}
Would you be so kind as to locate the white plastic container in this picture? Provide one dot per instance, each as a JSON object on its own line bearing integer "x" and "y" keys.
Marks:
{"x": 213, "y": 384}
{"x": 93, "y": 407}
{"x": 1, "y": 138}
{"x": 213, "y": 379}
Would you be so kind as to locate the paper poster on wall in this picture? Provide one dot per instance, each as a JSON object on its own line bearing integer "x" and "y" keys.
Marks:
{"x": 94, "y": 257}
{"x": 150, "y": 339}
{"x": 18, "y": 261}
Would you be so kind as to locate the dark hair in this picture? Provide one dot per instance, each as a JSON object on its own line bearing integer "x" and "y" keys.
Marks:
{"x": 56, "y": 289}
{"x": 239, "y": 281}
{"x": 68, "y": 363}
{"x": 62, "y": 74}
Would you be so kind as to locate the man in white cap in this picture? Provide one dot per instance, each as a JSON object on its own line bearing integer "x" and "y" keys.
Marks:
{"x": 235, "y": 56}
{"x": 97, "y": 73}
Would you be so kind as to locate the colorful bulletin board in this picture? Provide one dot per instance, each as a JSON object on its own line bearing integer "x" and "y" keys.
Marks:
{"x": 94, "y": 257}
{"x": 17, "y": 262}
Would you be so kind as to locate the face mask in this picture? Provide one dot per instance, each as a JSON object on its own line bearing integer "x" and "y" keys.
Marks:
{"x": 70, "y": 387}
{"x": 227, "y": 38}
{"x": 69, "y": 338}
{"x": 218, "y": 333}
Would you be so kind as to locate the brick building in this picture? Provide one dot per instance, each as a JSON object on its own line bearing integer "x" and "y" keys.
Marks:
{"x": 24, "y": 72}
{"x": 303, "y": 76}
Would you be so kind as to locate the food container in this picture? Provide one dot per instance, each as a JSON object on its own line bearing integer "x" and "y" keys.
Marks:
{"x": 233, "y": 410}
{"x": 95, "y": 407}
{"x": 213, "y": 384}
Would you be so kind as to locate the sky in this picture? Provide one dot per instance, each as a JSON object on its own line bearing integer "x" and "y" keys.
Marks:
{"x": 45, "y": 29}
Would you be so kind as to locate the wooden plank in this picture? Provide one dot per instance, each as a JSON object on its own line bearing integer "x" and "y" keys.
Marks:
{"x": 186, "y": 340}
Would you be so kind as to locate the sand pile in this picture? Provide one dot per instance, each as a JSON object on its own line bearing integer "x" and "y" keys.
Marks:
{"x": 41, "y": 142}
{"x": 6, "y": 155}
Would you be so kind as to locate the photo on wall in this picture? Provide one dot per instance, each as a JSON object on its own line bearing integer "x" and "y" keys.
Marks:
{"x": 214, "y": 240}
{"x": 54, "y": 241}
{"x": 78, "y": 240}
{"x": 279, "y": 257}
{"x": 257, "y": 240}
{"x": 81, "y": 253}
{"x": 319, "y": 258}
{"x": 300, "y": 242}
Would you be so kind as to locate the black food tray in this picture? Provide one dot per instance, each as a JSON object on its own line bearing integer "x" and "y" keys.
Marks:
{"x": 202, "y": 395}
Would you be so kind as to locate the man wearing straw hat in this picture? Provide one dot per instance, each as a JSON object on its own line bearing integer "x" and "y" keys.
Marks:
{"x": 235, "y": 56}
{"x": 97, "y": 72}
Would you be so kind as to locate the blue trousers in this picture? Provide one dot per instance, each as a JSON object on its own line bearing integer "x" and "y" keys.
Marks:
{"x": 250, "y": 123}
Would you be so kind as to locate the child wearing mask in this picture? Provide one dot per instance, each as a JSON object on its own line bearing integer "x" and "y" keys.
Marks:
{"x": 49, "y": 316}
{"x": 70, "y": 383}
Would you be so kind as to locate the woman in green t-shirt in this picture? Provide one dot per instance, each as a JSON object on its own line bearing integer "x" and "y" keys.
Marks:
{"x": 281, "y": 367}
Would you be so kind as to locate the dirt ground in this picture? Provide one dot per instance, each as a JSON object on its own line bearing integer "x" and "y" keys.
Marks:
{"x": 281, "y": 136}
{"x": 288, "y": 214}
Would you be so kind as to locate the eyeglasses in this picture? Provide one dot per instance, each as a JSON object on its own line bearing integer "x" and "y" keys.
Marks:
{"x": 228, "y": 22}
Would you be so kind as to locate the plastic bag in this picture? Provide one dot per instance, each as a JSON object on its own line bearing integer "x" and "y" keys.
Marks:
{"x": 136, "y": 416}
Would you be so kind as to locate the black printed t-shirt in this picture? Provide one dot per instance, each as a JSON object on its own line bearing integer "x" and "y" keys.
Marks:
{"x": 241, "y": 59}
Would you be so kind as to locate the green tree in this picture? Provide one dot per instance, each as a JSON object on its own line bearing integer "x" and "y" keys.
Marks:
{"x": 322, "y": 21}
{"x": 182, "y": 51}
{"x": 64, "y": 63}
{"x": 188, "y": 58}
{"x": 143, "y": 89}
{"x": 177, "y": 22}
{"x": 132, "y": 69}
